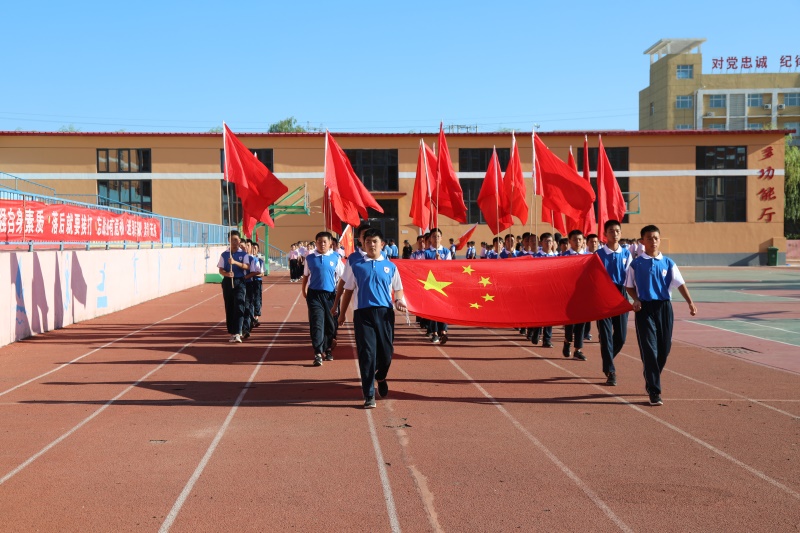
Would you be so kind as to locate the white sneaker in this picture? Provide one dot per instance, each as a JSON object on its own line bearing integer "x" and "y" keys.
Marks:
{"x": 232, "y": 339}
{"x": 237, "y": 338}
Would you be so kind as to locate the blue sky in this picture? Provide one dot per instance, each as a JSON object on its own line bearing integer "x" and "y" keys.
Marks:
{"x": 356, "y": 65}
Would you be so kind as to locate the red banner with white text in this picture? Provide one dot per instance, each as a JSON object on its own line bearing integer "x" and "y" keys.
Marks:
{"x": 21, "y": 220}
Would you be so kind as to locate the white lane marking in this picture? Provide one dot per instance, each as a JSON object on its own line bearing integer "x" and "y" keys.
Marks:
{"x": 757, "y": 324}
{"x": 105, "y": 406}
{"x": 738, "y": 333}
{"x": 106, "y": 345}
{"x": 673, "y": 427}
{"x": 742, "y": 396}
{"x": 550, "y": 455}
{"x": 741, "y": 292}
{"x": 388, "y": 497}
{"x": 187, "y": 489}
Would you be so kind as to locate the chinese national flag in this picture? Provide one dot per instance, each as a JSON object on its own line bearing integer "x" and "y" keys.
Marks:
{"x": 448, "y": 191}
{"x": 257, "y": 187}
{"x": 464, "y": 239}
{"x": 491, "y": 199}
{"x": 499, "y": 294}
{"x": 564, "y": 190}
{"x": 514, "y": 185}
{"x": 421, "y": 204}
{"x": 610, "y": 202}
{"x": 348, "y": 199}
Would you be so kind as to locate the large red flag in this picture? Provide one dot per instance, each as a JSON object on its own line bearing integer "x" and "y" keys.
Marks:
{"x": 464, "y": 239}
{"x": 514, "y": 185}
{"x": 573, "y": 223}
{"x": 255, "y": 184}
{"x": 347, "y": 198}
{"x": 499, "y": 294}
{"x": 556, "y": 220}
{"x": 610, "y": 202}
{"x": 447, "y": 195}
{"x": 491, "y": 199}
{"x": 563, "y": 189}
{"x": 421, "y": 205}
{"x": 347, "y": 241}
{"x": 590, "y": 220}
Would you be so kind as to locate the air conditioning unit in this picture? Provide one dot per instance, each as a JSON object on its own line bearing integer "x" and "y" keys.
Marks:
{"x": 767, "y": 106}
{"x": 781, "y": 106}
{"x": 709, "y": 114}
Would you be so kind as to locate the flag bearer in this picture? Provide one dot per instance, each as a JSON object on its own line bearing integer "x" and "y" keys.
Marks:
{"x": 258, "y": 285}
{"x": 574, "y": 332}
{"x": 233, "y": 266}
{"x": 438, "y": 330}
{"x": 323, "y": 267}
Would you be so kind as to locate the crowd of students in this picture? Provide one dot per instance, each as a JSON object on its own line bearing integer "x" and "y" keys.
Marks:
{"x": 368, "y": 281}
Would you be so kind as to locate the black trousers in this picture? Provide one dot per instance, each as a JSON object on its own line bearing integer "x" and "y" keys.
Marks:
{"x": 654, "y": 333}
{"x": 374, "y": 329}
{"x": 547, "y": 337}
{"x": 249, "y": 306}
{"x": 613, "y": 332}
{"x": 320, "y": 319}
{"x": 575, "y": 331}
{"x": 257, "y": 302}
{"x": 293, "y": 269}
{"x": 233, "y": 292}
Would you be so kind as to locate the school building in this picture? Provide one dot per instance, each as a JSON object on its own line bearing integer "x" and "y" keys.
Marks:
{"x": 740, "y": 92}
{"x": 717, "y": 195}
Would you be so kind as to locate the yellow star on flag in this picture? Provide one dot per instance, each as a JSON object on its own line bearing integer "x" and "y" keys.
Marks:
{"x": 475, "y": 305}
{"x": 468, "y": 270}
{"x": 488, "y": 297}
{"x": 432, "y": 284}
{"x": 485, "y": 281}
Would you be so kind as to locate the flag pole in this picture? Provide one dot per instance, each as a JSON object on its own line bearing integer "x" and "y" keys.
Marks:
{"x": 428, "y": 182}
{"x": 533, "y": 199}
{"x": 325, "y": 191}
{"x": 228, "y": 194}
{"x": 438, "y": 183}
{"x": 496, "y": 188}
{"x": 511, "y": 199}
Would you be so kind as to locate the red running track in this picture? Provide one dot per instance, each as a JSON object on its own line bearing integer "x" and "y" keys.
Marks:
{"x": 149, "y": 420}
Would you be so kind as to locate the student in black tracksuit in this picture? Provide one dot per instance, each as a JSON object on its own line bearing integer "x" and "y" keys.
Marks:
{"x": 258, "y": 286}
{"x": 233, "y": 266}
{"x": 650, "y": 279}
{"x": 323, "y": 268}
{"x": 574, "y": 332}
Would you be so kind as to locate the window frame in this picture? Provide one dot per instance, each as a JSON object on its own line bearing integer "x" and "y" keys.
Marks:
{"x": 791, "y": 99}
{"x": 682, "y": 100}
{"x": 685, "y": 69}
{"x": 477, "y": 159}
{"x": 365, "y": 163}
{"x": 113, "y": 193}
{"x": 713, "y": 101}
{"x": 137, "y": 160}
{"x": 755, "y": 100}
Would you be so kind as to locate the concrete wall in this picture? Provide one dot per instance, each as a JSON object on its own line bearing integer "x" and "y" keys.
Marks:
{"x": 48, "y": 290}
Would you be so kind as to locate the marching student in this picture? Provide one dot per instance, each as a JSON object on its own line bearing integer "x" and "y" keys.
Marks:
{"x": 546, "y": 240}
{"x": 453, "y": 249}
{"x": 484, "y": 250}
{"x": 574, "y": 332}
{"x": 563, "y": 246}
{"x": 649, "y": 280}
{"x": 233, "y": 265}
{"x": 258, "y": 286}
{"x": 592, "y": 243}
{"x": 438, "y": 330}
{"x": 419, "y": 253}
{"x": 358, "y": 254}
{"x": 494, "y": 252}
{"x": 471, "y": 250}
{"x": 250, "y": 290}
{"x": 613, "y": 330}
{"x": 294, "y": 257}
{"x": 509, "y": 249}
{"x": 374, "y": 277}
{"x": 407, "y": 249}
{"x": 323, "y": 268}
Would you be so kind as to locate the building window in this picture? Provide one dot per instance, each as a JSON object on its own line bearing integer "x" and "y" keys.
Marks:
{"x": 791, "y": 99}
{"x": 231, "y": 204}
{"x": 620, "y": 162}
{"x": 721, "y": 199}
{"x": 125, "y": 194}
{"x": 685, "y": 72}
{"x": 717, "y": 101}
{"x": 715, "y": 126}
{"x": 471, "y": 189}
{"x": 683, "y": 102}
{"x": 262, "y": 154}
{"x": 755, "y": 126}
{"x": 683, "y": 126}
{"x": 652, "y": 109}
{"x": 123, "y": 160}
{"x": 377, "y": 169}
{"x": 477, "y": 159}
{"x": 721, "y": 157}
{"x": 755, "y": 100}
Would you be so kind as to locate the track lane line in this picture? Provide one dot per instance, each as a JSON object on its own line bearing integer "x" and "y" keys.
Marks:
{"x": 754, "y": 471}
{"x": 187, "y": 489}
{"x": 739, "y": 333}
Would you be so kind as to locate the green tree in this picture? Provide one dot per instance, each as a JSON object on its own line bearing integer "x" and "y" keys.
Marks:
{"x": 70, "y": 128}
{"x": 287, "y": 125}
{"x": 215, "y": 129}
{"x": 791, "y": 180}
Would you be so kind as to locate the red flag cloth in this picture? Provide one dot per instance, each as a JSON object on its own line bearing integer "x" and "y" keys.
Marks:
{"x": 464, "y": 239}
{"x": 424, "y": 182}
{"x": 514, "y": 185}
{"x": 255, "y": 184}
{"x": 348, "y": 197}
{"x": 563, "y": 189}
{"x": 556, "y": 220}
{"x": 590, "y": 220}
{"x": 347, "y": 241}
{"x": 491, "y": 199}
{"x": 610, "y": 202}
{"x": 573, "y": 223}
{"x": 449, "y": 196}
{"x": 499, "y": 294}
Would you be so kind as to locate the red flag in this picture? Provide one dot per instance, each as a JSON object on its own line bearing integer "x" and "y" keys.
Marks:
{"x": 556, "y": 220}
{"x": 590, "y": 220}
{"x": 491, "y": 199}
{"x": 499, "y": 294}
{"x": 421, "y": 205}
{"x": 255, "y": 184}
{"x": 573, "y": 223}
{"x": 610, "y": 202}
{"x": 563, "y": 188}
{"x": 348, "y": 199}
{"x": 347, "y": 241}
{"x": 514, "y": 185}
{"x": 448, "y": 196}
{"x": 464, "y": 239}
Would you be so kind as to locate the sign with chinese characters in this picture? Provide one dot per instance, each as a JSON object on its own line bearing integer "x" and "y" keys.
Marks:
{"x": 746, "y": 63}
{"x": 24, "y": 221}
{"x": 767, "y": 192}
